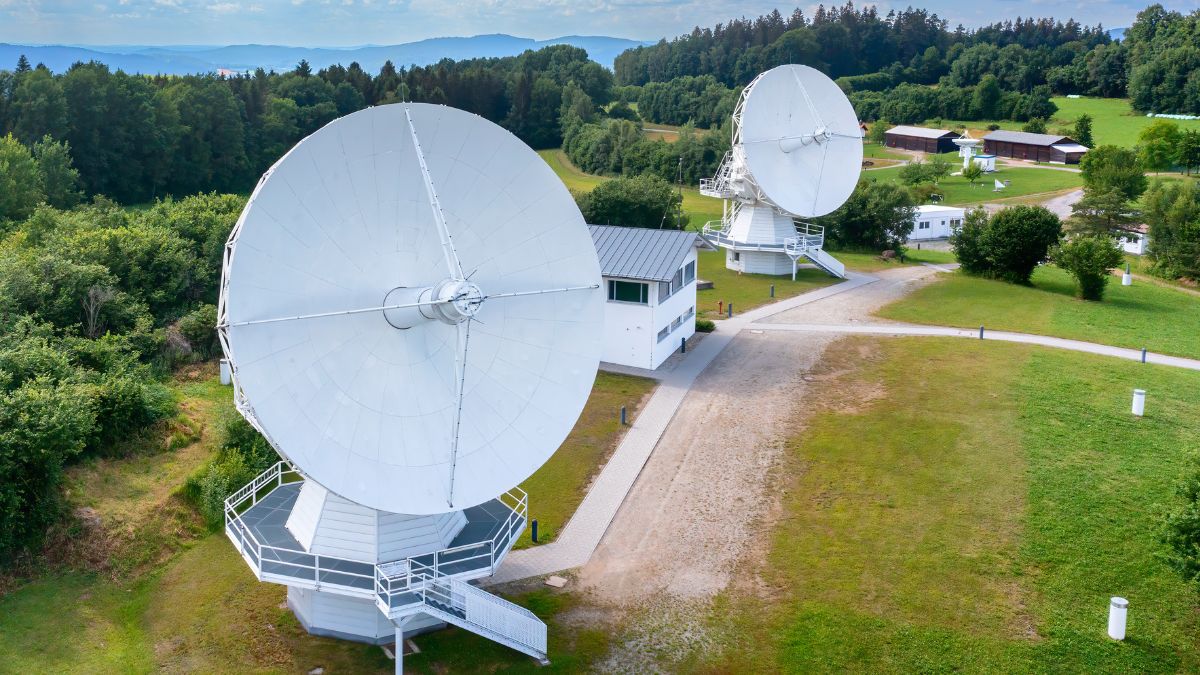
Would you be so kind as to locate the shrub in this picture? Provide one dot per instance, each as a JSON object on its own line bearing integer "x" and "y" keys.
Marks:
{"x": 1089, "y": 259}
{"x": 1181, "y": 527}
{"x": 705, "y": 326}
{"x": 1018, "y": 238}
{"x": 641, "y": 201}
{"x": 199, "y": 327}
{"x": 1008, "y": 245}
{"x": 243, "y": 455}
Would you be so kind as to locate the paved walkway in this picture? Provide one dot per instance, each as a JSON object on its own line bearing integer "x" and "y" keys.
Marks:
{"x": 1005, "y": 336}
{"x": 583, "y": 532}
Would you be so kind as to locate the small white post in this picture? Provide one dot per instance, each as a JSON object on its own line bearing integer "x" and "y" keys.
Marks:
{"x": 1126, "y": 278}
{"x": 1117, "y": 610}
{"x": 1139, "y": 402}
{"x": 226, "y": 372}
{"x": 400, "y": 644}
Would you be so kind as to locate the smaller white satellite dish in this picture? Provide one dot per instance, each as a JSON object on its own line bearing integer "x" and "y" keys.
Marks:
{"x": 802, "y": 142}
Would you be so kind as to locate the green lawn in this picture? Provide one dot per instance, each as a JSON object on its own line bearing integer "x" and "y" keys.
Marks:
{"x": 698, "y": 208}
{"x": 871, "y": 262}
{"x": 1025, "y": 181}
{"x": 880, "y": 151}
{"x": 1113, "y": 121}
{"x": 556, "y": 489}
{"x": 747, "y": 291}
{"x": 962, "y": 506}
{"x": 1159, "y": 318}
{"x": 178, "y": 598}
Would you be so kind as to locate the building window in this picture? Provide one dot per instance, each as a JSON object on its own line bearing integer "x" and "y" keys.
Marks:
{"x": 923, "y": 225}
{"x": 664, "y": 291}
{"x": 955, "y": 222}
{"x": 737, "y": 256}
{"x": 690, "y": 313}
{"x": 628, "y": 291}
{"x": 662, "y": 334}
{"x": 689, "y": 272}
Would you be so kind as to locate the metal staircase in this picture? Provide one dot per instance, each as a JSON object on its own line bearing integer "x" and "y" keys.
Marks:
{"x": 719, "y": 185}
{"x": 470, "y": 608}
{"x": 809, "y": 244}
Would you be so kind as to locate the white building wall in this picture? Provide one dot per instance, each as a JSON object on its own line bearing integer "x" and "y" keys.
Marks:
{"x": 328, "y": 614}
{"x": 1135, "y": 243}
{"x": 631, "y": 329}
{"x": 939, "y": 218}
{"x": 758, "y": 262}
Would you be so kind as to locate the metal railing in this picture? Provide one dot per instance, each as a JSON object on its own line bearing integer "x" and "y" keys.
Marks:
{"x": 808, "y": 237}
{"x": 387, "y": 582}
{"x": 395, "y": 580}
{"x": 718, "y": 185}
{"x": 486, "y": 614}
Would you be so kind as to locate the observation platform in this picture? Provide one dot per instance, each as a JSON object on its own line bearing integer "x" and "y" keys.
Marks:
{"x": 256, "y": 518}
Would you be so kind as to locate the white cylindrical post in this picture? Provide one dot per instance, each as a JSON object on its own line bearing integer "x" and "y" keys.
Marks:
{"x": 226, "y": 372}
{"x": 1127, "y": 279}
{"x": 1117, "y": 610}
{"x": 1139, "y": 402}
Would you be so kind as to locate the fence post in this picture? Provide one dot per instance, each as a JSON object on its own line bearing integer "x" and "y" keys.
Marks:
{"x": 731, "y": 310}
{"x": 981, "y": 332}
{"x": 622, "y": 415}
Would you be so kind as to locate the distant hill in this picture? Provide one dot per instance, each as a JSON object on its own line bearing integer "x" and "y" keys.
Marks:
{"x": 187, "y": 59}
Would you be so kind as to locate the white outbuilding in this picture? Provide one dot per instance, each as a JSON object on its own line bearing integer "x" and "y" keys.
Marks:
{"x": 650, "y": 278}
{"x": 1136, "y": 242}
{"x": 935, "y": 222}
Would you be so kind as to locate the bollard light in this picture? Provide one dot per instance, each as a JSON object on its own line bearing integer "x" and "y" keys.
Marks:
{"x": 1126, "y": 278}
{"x": 682, "y": 345}
{"x": 622, "y": 415}
{"x": 1118, "y": 609}
{"x": 533, "y": 530}
{"x": 730, "y": 310}
{"x": 226, "y": 372}
{"x": 1139, "y": 402}
{"x": 772, "y": 290}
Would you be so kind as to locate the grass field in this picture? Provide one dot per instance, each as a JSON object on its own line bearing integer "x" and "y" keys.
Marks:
{"x": 1162, "y": 319}
{"x": 970, "y": 507}
{"x": 1113, "y": 120}
{"x": 879, "y": 151}
{"x": 698, "y": 208}
{"x": 747, "y": 291}
{"x": 179, "y": 598}
{"x": 1025, "y": 181}
{"x": 556, "y": 489}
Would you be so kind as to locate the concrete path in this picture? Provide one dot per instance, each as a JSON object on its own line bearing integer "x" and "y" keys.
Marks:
{"x": 583, "y": 532}
{"x": 1005, "y": 336}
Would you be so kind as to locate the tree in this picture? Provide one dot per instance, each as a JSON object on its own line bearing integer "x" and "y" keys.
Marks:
{"x": 967, "y": 241}
{"x": 1181, "y": 526}
{"x": 877, "y": 216}
{"x": 1109, "y": 167}
{"x": 1103, "y": 212}
{"x": 20, "y": 182}
{"x": 914, "y": 172}
{"x": 1187, "y": 150}
{"x": 60, "y": 180}
{"x": 1036, "y": 125}
{"x": 641, "y": 201}
{"x": 38, "y": 107}
{"x": 878, "y": 131}
{"x": 1157, "y": 145}
{"x": 937, "y": 168}
{"x": 1083, "y": 130}
{"x": 1172, "y": 210}
{"x": 1089, "y": 259}
{"x": 972, "y": 173}
{"x": 986, "y": 99}
{"x": 1018, "y": 238}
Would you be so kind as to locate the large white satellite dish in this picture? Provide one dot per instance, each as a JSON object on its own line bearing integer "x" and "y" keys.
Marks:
{"x": 802, "y": 143}
{"x": 411, "y": 306}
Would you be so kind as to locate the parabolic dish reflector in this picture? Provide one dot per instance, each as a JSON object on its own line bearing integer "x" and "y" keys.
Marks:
{"x": 482, "y": 362}
{"x": 802, "y": 141}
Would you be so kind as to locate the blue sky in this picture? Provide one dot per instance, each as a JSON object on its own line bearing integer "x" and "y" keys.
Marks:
{"x": 356, "y": 22}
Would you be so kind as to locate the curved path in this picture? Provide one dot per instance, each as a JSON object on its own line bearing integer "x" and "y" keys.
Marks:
{"x": 843, "y": 308}
{"x": 1005, "y": 336}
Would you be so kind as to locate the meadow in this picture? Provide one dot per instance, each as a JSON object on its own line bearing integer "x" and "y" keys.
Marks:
{"x": 1025, "y": 181}
{"x": 1159, "y": 318}
{"x": 959, "y": 506}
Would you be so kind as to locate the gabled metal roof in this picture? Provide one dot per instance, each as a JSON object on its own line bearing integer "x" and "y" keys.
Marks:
{"x": 1025, "y": 138}
{"x": 641, "y": 253}
{"x": 920, "y": 132}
